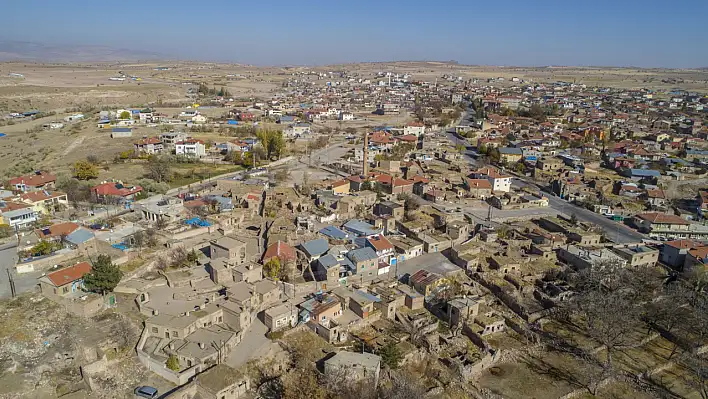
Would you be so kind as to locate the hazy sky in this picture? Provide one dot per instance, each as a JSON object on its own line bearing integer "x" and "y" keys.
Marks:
{"x": 650, "y": 33}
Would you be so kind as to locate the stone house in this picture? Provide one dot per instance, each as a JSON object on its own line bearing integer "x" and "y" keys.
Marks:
{"x": 459, "y": 310}
{"x": 229, "y": 248}
{"x": 217, "y": 382}
{"x": 355, "y": 366}
{"x": 280, "y": 317}
{"x": 638, "y": 255}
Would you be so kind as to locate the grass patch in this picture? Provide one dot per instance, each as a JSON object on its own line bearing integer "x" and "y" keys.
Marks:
{"x": 132, "y": 265}
{"x": 186, "y": 174}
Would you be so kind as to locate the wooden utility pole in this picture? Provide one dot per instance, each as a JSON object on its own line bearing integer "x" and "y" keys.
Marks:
{"x": 10, "y": 279}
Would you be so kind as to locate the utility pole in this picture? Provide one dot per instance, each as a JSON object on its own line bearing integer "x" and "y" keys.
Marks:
{"x": 13, "y": 292}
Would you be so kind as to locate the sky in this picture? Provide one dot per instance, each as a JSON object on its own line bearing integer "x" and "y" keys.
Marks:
{"x": 645, "y": 33}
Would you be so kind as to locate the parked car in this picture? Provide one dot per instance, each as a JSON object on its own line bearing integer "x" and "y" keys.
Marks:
{"x": 146, "y": 392}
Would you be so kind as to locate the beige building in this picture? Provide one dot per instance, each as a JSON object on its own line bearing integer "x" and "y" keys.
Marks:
{"x": 638, "y": 255}
{"x": 218, "y": 382}
{"x": 230, "y": 248}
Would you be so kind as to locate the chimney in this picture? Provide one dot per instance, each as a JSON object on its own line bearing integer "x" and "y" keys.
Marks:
{"x": 201, "y": 345}
{"x": 172, "y": 346}
{"x": 366, "y": 155}
{"x": 155, "y": 312}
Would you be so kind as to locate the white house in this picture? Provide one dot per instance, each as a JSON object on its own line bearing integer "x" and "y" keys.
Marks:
{"x": 74, "y": 118}
{"x": 297, "y": 130}
{"x": 499, "y": 181}
{"x": 193, "y": 148}
{"x": 199, "y": 119}
{"x": 414, "y": 128}
{"x": 346, "y": 116}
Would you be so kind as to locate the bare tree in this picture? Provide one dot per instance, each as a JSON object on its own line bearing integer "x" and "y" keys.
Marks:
{"x": 697, "y": 376}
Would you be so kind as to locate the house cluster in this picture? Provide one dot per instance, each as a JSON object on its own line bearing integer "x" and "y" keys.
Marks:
{"x": 24, "y": 199}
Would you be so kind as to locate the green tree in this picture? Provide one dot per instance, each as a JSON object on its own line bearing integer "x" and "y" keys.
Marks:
{"x": 193, "y": 257}
{"x": 42, "y": 248}
{"x": 85, "y": 170}
{"x": 390, "y": 356}
{"x": 519, "y": 167}
{"x": 494, "y": 155}
{"x": 124, "y": 115}
{"x": 574, "y": 219}
{"x": 273, "y": 142}
{"x": 6, "y": 230}
{"x": 272, "y": 268}
{"x": 172, "y": 363}
{"x": 104, "y": 275}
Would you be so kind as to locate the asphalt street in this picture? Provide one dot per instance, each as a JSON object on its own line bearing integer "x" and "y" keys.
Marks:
{"x": 24, "y": 282}
{"x": 614, "y": 231}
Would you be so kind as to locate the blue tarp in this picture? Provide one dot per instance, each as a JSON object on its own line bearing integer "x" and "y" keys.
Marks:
{"x": 122, "y": 247}
{"x": 195, "y": 221}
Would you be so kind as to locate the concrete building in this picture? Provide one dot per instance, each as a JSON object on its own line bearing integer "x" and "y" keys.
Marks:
{"x": 584, "y": 257}
{"x": 638, "y": 255}
{"x": 230, "y": 248}
{"x": 280, "y": 317}
{"x": 357, "y": 366}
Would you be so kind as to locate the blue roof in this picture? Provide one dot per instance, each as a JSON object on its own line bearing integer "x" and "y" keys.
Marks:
{"x": 224, "y": 203}
{"x": 362, "y": 254}
{"x": 334, "y": 232}
{"x": 122, "y": 129}
{"x": 80, "y": 236}
{"x": 328, "y": 261}
{"x": 510, "y": 150}
{"x": 316, "y": 247}
{"x": 372, "y": 298}
{"x": 360, "y": 227}
{"x": 645, "y": 172}
{"x": 2, "y": 134}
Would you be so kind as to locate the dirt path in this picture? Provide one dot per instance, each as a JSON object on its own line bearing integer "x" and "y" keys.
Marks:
{"x": 73, "y": 145}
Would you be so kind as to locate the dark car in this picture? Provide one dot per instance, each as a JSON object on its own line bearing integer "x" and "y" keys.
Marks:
{"x": 146, "y": 392}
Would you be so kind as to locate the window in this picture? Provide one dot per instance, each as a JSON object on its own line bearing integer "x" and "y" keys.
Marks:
{"x": 64, "y": 290}
{"x": 154, "y": 330}
{"x": 221, "y": 319}
{"x": 175, "y": 334}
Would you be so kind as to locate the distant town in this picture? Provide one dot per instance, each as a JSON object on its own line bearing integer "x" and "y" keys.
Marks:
{"x": 376, "y": 231}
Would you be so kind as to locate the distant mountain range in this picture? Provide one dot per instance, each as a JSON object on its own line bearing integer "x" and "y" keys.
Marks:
{"x": 32, "y": 51}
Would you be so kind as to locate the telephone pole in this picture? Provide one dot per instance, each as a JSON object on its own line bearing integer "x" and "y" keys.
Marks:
{"x": 13, "y": 292}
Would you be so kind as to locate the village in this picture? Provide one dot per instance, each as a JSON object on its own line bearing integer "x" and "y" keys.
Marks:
{"x": 366, "y": 232}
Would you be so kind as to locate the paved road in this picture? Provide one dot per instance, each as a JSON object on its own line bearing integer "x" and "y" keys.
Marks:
{"x": 615, "y": 231}
{"x": 24, "y": 282}
{"x": 253, "y": 343}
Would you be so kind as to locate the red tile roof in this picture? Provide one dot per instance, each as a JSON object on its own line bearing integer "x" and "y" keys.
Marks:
{"x": 57, "y": 230}
{"x": 69, "y": 274}
{"x": 682, "y": 244}
{"x": 36, "y": 196}
{"x": 699, "y": 253}
{"x": 656, "y": 193}
{"x": 661, "y": 218}
{"x": 491, "y": 172}
{"x": 340, "y": 183}
{"x": 380, "y": 243}
{"x": 36, "y": 180}
{"x": 282, "y": 250}
{"x": 115, "y": 189}
{"x": 479, "y": 183}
